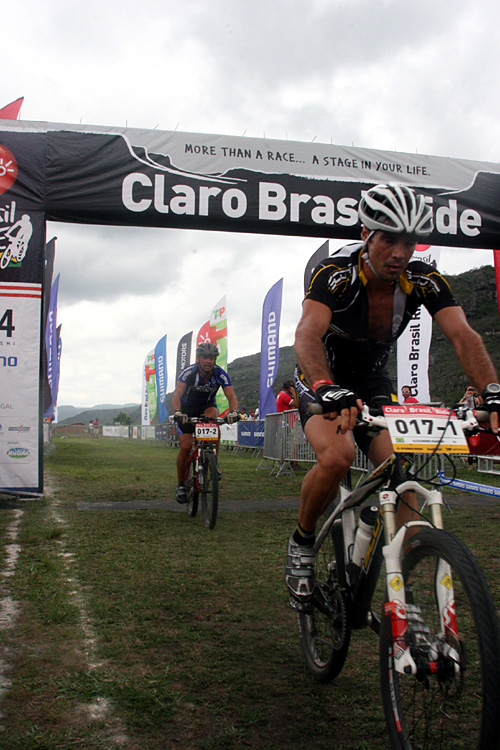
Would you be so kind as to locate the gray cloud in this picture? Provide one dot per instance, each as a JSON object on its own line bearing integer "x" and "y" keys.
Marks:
{"x": 383, "y": 74}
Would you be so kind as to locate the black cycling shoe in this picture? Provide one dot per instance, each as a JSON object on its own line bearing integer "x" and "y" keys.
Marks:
{"x": 181, "y": 494}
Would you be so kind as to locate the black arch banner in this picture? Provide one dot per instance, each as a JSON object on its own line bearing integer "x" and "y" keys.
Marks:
{"x": 125, "y": 176}
{"x": 87, "y": 174}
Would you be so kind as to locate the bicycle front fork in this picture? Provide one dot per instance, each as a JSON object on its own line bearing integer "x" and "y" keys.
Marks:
{"x": 396, "y": 605}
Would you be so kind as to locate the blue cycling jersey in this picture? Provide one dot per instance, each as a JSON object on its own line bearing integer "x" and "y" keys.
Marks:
{"x": 200, "y": 393}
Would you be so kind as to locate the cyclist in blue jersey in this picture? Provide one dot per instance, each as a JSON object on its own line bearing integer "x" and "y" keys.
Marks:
{"x": 194, "y": 396}
{"x": 358, "y": 303}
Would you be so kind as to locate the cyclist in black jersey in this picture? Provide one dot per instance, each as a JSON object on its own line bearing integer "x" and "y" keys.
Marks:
{"x": 359, "y": 301}
{"x": 194, "y": 396}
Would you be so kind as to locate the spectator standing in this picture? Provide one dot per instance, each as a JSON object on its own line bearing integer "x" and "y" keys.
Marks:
{"x": 287, "y": 398}
{"x": 407, "y": 397}
{"x": 469, "y": 399}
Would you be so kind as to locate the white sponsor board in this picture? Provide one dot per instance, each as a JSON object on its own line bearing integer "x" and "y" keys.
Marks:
{"x": 20, "y": 310}
{"x": 425, "y": 429}
{"x": 414, "y": 344}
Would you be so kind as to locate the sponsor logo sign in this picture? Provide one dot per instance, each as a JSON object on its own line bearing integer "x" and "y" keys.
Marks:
{"x": 18, "y": 452}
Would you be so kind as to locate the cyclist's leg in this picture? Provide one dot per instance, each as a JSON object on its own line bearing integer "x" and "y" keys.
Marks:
{"x": 378, "y": 390}
{"x": 379, "y": 449}
{"x": 334, "y": 454}
{"x": 185, "y": 445}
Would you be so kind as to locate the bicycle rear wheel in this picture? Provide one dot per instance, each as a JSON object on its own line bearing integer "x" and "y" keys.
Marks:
{"x": 324, "y": 632}
{"x": 453, "y": 701}
{"x": 210, "y": 490}
{"x": 192, "y": 494}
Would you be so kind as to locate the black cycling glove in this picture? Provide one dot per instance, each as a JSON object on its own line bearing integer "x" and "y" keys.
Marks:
{"x": 335, "y": 398}
{"x": 180, "y": 417}
{"x": 491, "y": 398}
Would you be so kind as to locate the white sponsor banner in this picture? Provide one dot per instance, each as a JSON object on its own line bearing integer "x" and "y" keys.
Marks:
{"x": 413, "y": 346}
{"x": 20, "y": 309}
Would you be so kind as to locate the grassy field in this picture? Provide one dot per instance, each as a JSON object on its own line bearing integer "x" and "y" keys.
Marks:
{"x": 139, "y": 629}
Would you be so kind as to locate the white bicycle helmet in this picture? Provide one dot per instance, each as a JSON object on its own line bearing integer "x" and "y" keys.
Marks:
{"x": 207, "y": 349}
{"x": 395, "y": 208}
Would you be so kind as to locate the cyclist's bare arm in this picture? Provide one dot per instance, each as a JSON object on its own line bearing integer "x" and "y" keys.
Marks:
{"x": 310, "y": 352}
{"x": 177, "y": 395}
{"x": 470, "y": 350}
{"x": 309, "y": 349}
{"x": 231, "y": 397}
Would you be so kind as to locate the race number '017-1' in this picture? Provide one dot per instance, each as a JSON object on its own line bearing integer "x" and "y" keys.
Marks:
{"x": 425, "y": 429}
{"x": 206, "y": 431}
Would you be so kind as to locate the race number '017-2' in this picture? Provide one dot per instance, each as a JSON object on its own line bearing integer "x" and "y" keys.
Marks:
{"x": 425, "y": 429}
{"x": 206, "y": 431}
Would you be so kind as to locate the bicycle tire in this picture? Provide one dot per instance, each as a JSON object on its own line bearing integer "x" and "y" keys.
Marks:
{"x": 457, "y": 707}
{"x": 324, "y": 639}
{"x": 192, "y": 494}
{"x": 210, "y": 490}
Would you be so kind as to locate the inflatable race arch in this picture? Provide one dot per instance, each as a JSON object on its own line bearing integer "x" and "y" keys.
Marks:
{"x": 131, "y": 177}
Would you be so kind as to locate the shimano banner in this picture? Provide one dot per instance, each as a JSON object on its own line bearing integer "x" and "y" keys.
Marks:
{"x": 161, "y": 378}
{"x": 270, "y": 348}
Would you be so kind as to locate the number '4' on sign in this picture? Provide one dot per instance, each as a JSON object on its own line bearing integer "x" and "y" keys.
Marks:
{"x": 415, "y": 428}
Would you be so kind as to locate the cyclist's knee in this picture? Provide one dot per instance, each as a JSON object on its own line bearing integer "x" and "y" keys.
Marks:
{"x": 185, "y": 442}
{"x": 335, "y": 461}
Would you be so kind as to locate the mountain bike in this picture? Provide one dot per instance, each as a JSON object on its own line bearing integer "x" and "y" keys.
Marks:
{"x": 438, "y": 629}
{"x": 202, "y": 476}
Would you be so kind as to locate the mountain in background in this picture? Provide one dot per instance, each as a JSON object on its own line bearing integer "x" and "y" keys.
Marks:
{"x": 104, "y": 413}
{"x": 474, "y": 290}
{"x": 66, "y": 412}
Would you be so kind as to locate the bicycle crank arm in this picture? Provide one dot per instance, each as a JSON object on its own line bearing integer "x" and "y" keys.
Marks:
{"x": 321, "y": 602}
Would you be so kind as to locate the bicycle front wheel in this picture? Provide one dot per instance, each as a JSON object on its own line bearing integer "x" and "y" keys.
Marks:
{"x": 192, "y": 494}
{"x": 324, "y": 632}
{"x": 452, "y": 701}
{"x": 210, "y": 490}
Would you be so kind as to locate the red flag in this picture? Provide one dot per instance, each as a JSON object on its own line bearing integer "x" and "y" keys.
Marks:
{"x": 496, "y": 257}
{"x": 204, "y": 334}
{"x": 11, "y": 111}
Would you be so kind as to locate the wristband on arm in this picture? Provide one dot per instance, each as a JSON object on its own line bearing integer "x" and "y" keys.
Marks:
{"x": 320, "y": 382}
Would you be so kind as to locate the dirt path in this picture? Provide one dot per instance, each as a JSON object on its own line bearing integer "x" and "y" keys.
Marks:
{"x": 285, "y": 503}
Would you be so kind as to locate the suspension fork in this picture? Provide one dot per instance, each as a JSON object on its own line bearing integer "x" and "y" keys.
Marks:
{"x": 395, "y": 607}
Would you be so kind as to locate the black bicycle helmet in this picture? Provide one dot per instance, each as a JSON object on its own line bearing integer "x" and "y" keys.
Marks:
{"x": 207, "y": 349}
{"x": 395, "y": 208}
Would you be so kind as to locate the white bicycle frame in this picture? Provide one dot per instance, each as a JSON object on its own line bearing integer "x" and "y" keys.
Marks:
{"x": 392, "y": 552}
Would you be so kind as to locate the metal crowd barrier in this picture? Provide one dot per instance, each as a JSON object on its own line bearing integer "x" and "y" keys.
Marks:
{"x": 284, "y": 442}
{"x": 285, "y": 445}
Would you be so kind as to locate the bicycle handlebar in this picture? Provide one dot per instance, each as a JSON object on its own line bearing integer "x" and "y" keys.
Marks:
{"x": 203, "y": 419}
{"x": 470, "y": 418}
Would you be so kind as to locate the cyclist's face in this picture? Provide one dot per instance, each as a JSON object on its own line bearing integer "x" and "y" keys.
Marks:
{"x": 206, "y": 364}
{"x": 389, "y": 253}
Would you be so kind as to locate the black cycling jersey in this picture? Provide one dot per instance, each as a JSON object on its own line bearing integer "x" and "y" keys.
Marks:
{"x": 200, "y": 394}
{"x": 356, "y": 361}
{"x": 340, "y": 283}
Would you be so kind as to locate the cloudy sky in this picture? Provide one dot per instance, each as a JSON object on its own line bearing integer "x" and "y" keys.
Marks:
{"x": 399, "y": 75}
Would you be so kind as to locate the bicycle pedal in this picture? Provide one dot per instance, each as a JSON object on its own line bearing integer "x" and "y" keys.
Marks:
{"x": 304, "y": 607}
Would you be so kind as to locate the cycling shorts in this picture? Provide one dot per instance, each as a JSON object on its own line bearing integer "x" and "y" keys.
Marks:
{"x": 188, "y": 429}
{"x": 378, "y": 384}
